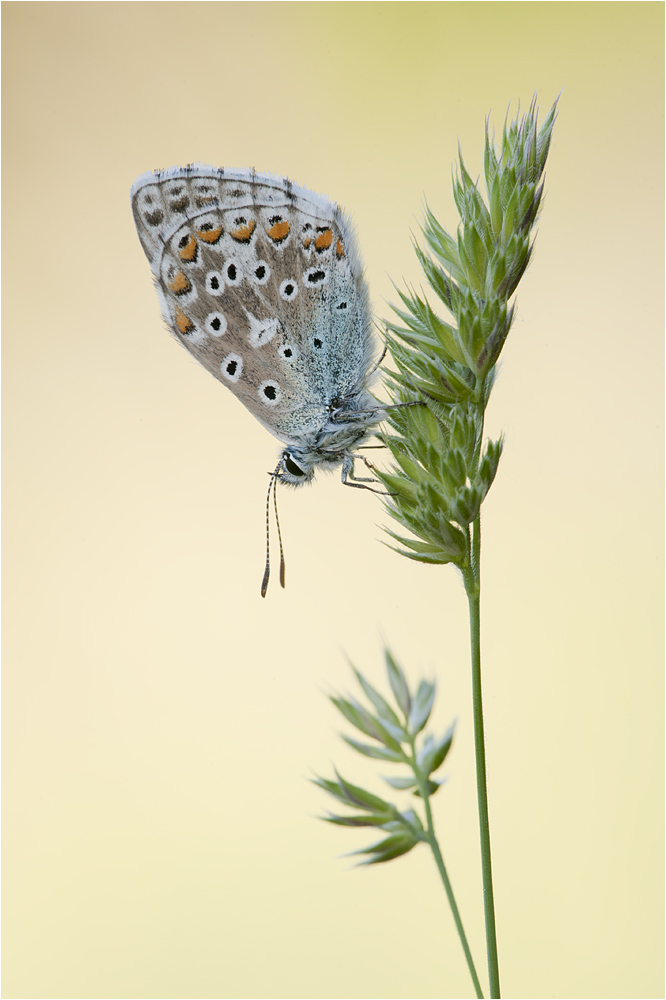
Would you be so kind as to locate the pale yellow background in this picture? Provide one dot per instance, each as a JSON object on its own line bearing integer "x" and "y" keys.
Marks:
{"x": 161, "y": 720}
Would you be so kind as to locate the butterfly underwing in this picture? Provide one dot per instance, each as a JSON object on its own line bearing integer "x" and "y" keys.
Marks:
{"x": 262, "y": 282}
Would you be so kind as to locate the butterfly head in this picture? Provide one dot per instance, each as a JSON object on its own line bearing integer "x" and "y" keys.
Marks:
{"x": 296, "y": 467}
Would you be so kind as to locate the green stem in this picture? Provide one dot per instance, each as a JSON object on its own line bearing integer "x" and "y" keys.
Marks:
{"x": 473, "y": 587}
{"x": 439, "y": 861}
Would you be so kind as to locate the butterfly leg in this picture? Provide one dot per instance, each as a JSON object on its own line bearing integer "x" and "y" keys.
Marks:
{"x": 349, "y": 479}
{"x": 384, "y": 353}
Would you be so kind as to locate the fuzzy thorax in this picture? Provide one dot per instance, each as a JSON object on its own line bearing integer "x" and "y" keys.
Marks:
{"x": 347, "y": 426}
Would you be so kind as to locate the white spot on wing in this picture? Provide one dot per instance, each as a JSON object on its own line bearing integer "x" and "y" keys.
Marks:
{"x": 262, "y": 331}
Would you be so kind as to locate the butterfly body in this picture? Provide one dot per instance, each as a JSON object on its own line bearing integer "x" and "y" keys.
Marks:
{"x": 262, "y": 282}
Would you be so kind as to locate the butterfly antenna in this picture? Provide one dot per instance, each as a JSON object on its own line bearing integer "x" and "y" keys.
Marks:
{"x": 283, "y": 568}
{"x": 267, "y": 571}
{"x": 272, "y": 485}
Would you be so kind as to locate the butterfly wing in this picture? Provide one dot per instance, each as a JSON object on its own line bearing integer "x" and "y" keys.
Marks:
{"x": 262, "y": 282}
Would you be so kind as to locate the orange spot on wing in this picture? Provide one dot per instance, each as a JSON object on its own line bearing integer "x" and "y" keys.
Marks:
{"x": 306, "y": 242}
{"x": 243, "y": 232}
{"x": 279, "y": 230}
{"x": 181, "y": 284}
{"x": 339, "y": 249}
{"x": 323, "y": 240}
{"x": 183, "y": 323}
{"x": 209, "y": 233}
{"x": 188, "y": 249}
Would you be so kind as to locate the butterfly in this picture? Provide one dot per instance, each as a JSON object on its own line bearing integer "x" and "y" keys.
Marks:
{"x": 262, "y": 282}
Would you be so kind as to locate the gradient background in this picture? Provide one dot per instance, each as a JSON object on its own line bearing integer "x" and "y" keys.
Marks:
{"x": 160, "y": 719}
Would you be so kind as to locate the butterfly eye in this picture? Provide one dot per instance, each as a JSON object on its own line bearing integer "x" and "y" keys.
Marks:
{"x": 292, "y": 467}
